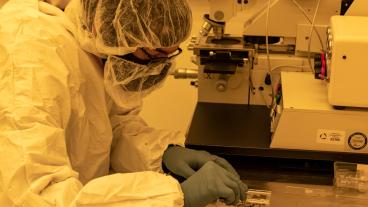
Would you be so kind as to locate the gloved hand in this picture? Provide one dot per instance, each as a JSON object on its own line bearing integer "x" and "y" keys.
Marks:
{"x": 210, "y": 183}
{"x": 185, "y": 162}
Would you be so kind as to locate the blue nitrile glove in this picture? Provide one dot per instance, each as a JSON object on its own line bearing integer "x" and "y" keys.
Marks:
{"x": 211, "y": 183}
{"x": 185, "y": 162}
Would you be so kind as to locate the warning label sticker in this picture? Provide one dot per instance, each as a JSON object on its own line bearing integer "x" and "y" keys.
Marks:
{"x": 328, "y": 136}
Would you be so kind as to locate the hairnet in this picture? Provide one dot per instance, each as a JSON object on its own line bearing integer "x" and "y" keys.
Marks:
{"x": 115, "y": 26}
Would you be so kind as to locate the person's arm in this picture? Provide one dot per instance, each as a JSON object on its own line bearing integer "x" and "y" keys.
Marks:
{"x": 137, "y": 146}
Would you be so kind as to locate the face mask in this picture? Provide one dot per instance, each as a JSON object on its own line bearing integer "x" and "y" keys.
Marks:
{"x": 128, "y": 82}
{"x": 133, "y": 76}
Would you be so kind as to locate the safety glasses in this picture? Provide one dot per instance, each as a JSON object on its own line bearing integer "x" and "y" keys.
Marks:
{"x": 153, "y": 61}
{"x": 157, "y": 60}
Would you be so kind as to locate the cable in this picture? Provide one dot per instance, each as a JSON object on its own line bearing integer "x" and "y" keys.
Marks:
{"x": 284, "y": 66}
{"x": 310, "y": 36}
{"x": 265, "y": 99}
{"x": 310, "y": 21}
{"x": 267, "y": 46}
{"x": 258, "y": 14}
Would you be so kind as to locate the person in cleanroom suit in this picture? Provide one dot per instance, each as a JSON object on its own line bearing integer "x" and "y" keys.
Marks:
{"x": 71, "y": 88}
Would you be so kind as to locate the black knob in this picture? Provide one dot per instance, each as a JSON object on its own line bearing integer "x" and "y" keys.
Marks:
{"x": 317, "y": 66}
{"x": 268, "y": 79}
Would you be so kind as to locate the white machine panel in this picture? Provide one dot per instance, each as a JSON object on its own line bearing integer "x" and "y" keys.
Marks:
{"x": 348, "y": 68}
{"x": 302, "y": 37}
{"x": 309, "y": 122}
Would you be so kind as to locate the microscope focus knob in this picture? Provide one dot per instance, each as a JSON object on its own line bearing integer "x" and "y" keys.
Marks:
{"x": 221, "y": 85}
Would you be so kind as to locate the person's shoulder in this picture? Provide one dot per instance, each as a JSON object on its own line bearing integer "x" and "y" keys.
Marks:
{"x": 28, "y": 31}
{"x": 25, "y": 20}
{"x": 12, "y": 10}
{"x": 32, "y": 39}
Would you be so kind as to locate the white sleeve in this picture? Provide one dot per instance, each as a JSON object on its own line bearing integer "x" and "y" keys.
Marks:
{"x": 137, "y": 146}
{"x": 141, "y": 189}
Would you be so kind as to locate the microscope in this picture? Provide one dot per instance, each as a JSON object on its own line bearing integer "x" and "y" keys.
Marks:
{"x": 224, "y": 61}
{"x": 288, "y": 86}
{"x": 233, "y": 69}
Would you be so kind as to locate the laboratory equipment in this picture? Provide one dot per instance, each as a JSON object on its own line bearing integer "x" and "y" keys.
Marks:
{"x": 286, "y": 194}
{"x": 332, "y": 113}
{"x": 266, "y": 98}
{"x": 255, "y": 198}
{"x": 242, "y": 74}
{"x": 351, "y": 177}
{"x": 347, "y": 41}
{"x": 285, "y": 125}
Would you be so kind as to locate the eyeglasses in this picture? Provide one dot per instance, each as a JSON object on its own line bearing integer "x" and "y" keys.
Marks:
{"x": 168, "y": 57}
{"x": 152, "y": 59}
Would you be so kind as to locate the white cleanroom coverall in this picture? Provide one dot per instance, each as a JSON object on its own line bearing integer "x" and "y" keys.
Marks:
{"x": 60, "y": 132}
